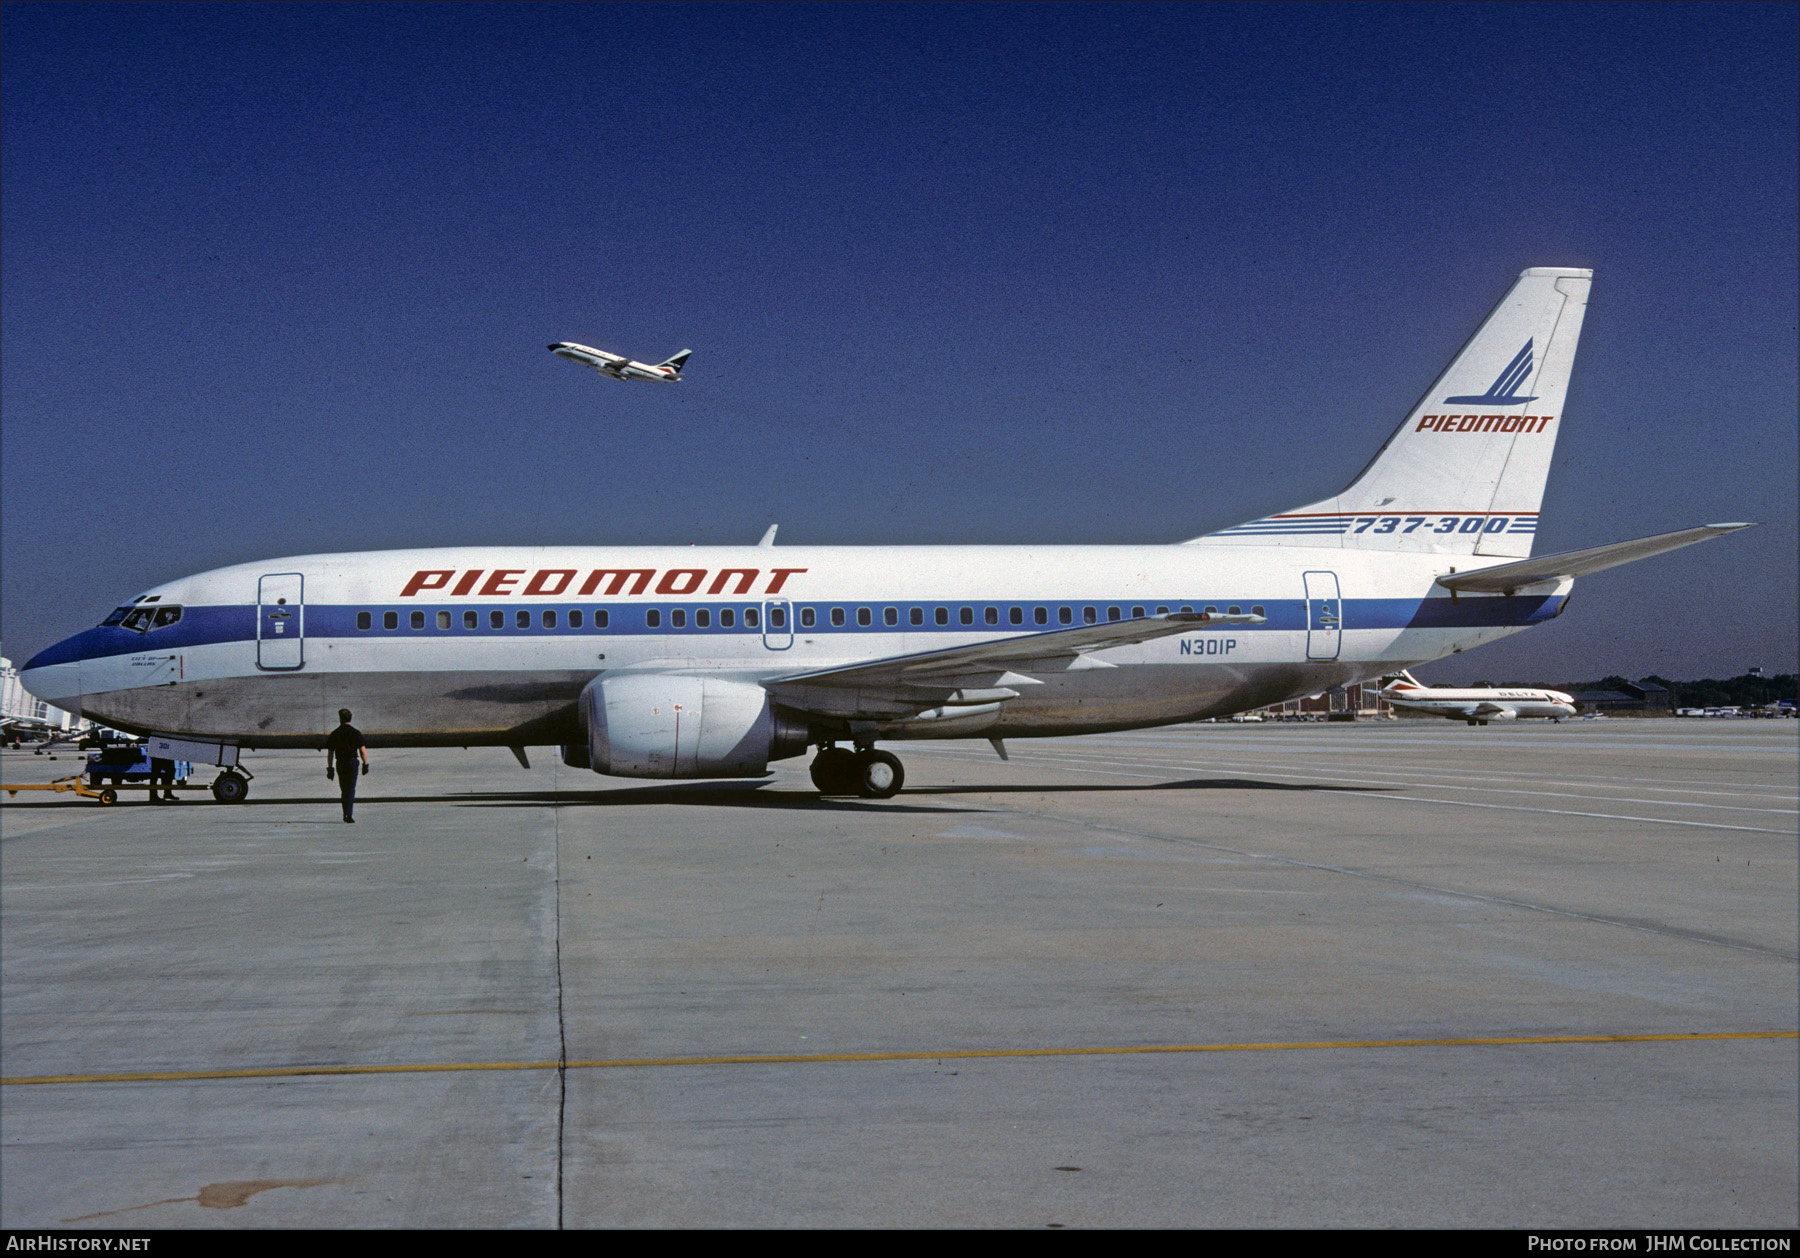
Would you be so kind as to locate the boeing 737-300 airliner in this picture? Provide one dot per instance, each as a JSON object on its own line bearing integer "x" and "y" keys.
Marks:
{"x": 682, "y": 662}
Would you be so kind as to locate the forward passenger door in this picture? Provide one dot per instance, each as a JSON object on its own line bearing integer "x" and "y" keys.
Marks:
{"x": 280, "y": 622}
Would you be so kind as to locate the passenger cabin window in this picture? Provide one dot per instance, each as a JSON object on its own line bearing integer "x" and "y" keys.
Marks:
{"x": 417, "y": 620}
{"x": 1231, "y": 611}
{"x": 967, "y": 615}
{"x": 1087, "y": 616}
{"x": 1040, "y": 615}
{"x": 364, "y": 620}
{"x": 777, "y": 617}
{"x": 1210, "y": 610}
{"x": 942, "y": 616}
{"x": 470, "y": 620}
{"x": 522, "y": 620}
{"x": 890, "y": 615}
{"x": 1256, "y": 610}
{"x": 727, "y": 618}
{"x": 862, "y": 616}
{"x": 1112, "y": 613}
{"x": 1064, "y": 616}
{"x": 652, "y": 618}
{"x": 837, "y": 616}
{"x": 916, "y": 616}
{"x": 602, "y": 618}
{"x": 1137, "y": 613}
{"x": 390, "y": 620}
{"x": 702, "y": 619}
{"x": 1016, "y": 616}
{"x": 1186, "y": 608}
{"x": 991, "y": 615}
{"x": 549, "y": 620}
{"x": 752, "y": 619}
{"x": 678, "y": 618}
{"x": 443, "y": 620}
{"x": 496, "y": 620}
{"x": 1162, "y": 611}
{"x": 806, "y": 617}
{"x": 575, "y": 618}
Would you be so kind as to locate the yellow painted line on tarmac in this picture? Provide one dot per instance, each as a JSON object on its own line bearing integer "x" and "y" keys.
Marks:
{"x": 775, "y": 1059}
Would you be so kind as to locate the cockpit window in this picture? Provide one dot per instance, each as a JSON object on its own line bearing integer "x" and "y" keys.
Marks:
{"x": 144, "y": 619}
{"x": 118, "y": 614}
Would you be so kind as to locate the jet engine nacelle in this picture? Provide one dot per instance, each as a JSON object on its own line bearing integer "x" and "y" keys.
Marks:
{"x": 662, "y": 725}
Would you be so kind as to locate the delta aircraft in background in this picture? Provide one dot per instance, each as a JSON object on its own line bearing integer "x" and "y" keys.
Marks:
{"x": 693, "y": 662}
{"x": 1476, "y": 705}
{"x": 619, "y": 367}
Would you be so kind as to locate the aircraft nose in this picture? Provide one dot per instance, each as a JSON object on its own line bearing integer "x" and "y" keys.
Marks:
{"x": 54, "y": 674}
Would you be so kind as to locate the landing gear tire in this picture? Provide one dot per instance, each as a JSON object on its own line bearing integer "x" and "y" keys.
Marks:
{"x": 878, "y": 775}
{"x": 229, "y": 788}
{"x": 834, "y": 771}
{"x": 109, "y": 796}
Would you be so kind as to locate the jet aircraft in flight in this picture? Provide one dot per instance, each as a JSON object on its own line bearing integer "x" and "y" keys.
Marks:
{"x": 697, "y": 662}
{"x": 618, "y": 366}
{"x": 1476, "y": 705}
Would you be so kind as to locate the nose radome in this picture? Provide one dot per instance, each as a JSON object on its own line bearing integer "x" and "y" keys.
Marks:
{"x": 54, "y": 674}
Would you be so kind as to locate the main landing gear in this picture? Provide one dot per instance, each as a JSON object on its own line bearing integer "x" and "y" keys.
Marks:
{"x": 866, "y": 772}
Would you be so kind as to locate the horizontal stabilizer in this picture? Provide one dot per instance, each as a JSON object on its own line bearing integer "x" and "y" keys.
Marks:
{"x": 1508, "y": 577}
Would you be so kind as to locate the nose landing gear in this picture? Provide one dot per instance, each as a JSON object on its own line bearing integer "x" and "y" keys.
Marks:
{"x": 866, "y": 772}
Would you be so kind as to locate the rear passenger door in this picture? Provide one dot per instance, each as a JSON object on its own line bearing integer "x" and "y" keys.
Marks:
{"x": 1324, "y": 616}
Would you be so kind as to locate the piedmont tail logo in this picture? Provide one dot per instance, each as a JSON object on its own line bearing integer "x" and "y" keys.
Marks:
{"x": 1500, "y": 393}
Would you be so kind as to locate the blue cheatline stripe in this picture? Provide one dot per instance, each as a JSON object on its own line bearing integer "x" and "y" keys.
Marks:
{"x": 1276, "y": 526}
{"x": 208, "y": 626}
{"x": 1335, "y": 525}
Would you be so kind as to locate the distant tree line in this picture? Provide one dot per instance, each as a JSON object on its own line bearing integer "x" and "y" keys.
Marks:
{"x": 1747, "y": 690}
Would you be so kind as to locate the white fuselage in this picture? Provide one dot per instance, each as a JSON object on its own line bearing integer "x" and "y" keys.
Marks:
{"x": 1504, "y": 703}
{"x": 615, "y": 365}
{"x": 493, "y": 645}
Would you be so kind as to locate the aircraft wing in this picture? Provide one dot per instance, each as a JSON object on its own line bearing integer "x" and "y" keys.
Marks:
{"x": 982, "y": 673}
{"x": 1507, "y": 577}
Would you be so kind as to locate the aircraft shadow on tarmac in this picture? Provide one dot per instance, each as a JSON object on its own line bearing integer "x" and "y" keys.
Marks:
{"x": 735, "y": 795}
{"x": 1187, "y": 784}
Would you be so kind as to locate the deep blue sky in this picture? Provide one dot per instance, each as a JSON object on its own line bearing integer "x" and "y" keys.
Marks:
{"x": 279, "y": 278}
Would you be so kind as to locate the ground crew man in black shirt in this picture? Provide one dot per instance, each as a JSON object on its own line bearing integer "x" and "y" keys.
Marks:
{"x": 162, "y": 773}
{"x": 342, "y": 747}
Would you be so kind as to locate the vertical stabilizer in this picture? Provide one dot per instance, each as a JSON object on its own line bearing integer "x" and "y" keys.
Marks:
{"x": 1464, "y": 474}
